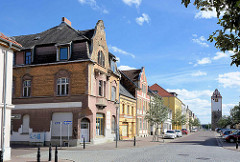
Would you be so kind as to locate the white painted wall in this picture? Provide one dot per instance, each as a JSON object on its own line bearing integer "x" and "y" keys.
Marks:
{"x": 7, "y": 153}
{"x": 217, "y": 105}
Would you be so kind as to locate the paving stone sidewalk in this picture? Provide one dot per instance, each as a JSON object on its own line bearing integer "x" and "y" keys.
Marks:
{"x": 224, "y": 144}
{"x": 29, "y": 154}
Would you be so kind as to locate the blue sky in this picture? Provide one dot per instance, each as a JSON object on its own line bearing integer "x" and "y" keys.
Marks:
{"x": 169, "y": 40}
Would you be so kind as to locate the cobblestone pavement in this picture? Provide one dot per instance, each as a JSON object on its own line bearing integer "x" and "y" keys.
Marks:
{"x": 200, "y": 146}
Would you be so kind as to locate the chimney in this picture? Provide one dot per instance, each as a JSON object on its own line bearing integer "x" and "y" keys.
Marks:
{"x": 64, "y": 19}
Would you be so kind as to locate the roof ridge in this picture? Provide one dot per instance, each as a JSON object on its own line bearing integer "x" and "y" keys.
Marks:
{"x": 131, "y": 69}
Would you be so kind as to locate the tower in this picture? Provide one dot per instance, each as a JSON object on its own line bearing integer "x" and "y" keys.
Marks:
{"x": 216, "y": 108}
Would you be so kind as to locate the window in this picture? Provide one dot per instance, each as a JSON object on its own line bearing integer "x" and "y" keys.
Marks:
{"x": 26, "y": 88}
{"x": 132, "y": 111}
{"x": 14, "y": 58}
{"x": 113, "y": 66}
{"x": 28, "y": 58}
{"x": 144, "y": 106}
{"x": 101, "y": 58}
{"x": 63, "y": 53}
{"x": 143, "y": 124}
{"x": 25, "y": 124}
{"x": 99, "y": 124}
{"x": 100, "y": 88}
{"x": 62, "y": 86}
{"x": 216, "y": 100}
{"x": 113, "y": 93}
{"x": 122, "y": 108}
{"x": 128, "y": 111}
{"x": 140, "y": 123}
{"x": 113, "y": 124}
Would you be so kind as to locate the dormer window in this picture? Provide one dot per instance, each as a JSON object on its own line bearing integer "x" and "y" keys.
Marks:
{"x": 63, "y": 53}
{"x": 28, "y": 57}
{"x": 101, "y": 59}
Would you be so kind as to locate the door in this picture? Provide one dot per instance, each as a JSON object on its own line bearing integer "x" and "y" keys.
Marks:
{"x": 124, "y": 130}
{"x": 85, "y": 130}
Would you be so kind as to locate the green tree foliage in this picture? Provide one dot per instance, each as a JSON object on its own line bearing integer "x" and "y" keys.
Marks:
{"x": 196, "y": 122}
{"x": 157, "y": 113}
{"x": 190, "y": 123}
{"x": 235, "y": 115}
{"x": 179, "y": 118}
{"x": 224, "y": 121}
{"x": 228, "y": 12}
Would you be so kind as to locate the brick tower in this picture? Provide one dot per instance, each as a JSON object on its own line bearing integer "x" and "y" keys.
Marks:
{"x": 216, "y": 108}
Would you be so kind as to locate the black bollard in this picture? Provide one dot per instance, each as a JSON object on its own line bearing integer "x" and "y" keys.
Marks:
{"x": 50, "y": 153}
{"x": 56, "y": 154}
{"x": 134, "y": 141}
{"x": 1, "y": 156}
{"x": 83, "y": 143}
{"x": 237, "y": 143}
{"x": 38, "y": 155}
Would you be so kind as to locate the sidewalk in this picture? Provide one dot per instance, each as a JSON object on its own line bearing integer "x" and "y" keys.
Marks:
{"x": 20, "y": 154}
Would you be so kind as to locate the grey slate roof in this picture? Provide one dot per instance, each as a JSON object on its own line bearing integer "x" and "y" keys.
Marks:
{"x": 123, "y": 91}
{"x": 60, "y": 34}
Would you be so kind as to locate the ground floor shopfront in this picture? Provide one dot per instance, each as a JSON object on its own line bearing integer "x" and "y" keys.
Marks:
{"x": 62, "y": 124}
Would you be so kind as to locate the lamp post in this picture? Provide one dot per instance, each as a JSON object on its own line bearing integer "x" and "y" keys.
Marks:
{"x": 117, "y": 121}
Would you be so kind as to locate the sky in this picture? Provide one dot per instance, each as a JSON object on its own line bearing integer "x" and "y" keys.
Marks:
{"x": 169, "y": 40}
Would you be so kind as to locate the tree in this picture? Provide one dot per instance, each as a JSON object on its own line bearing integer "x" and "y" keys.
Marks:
{"x": 178, "y": 118}
{"x": 196, "y": 122}
{"x": 224, "y": 121}
{"x": 191, "y": 123}
{"x": 228, "y": 13}
{"x": 157, "y": 114}
{"x": 235, "y": 115}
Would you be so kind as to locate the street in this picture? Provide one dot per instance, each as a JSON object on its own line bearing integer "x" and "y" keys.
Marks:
{"x": 200, "y": 146}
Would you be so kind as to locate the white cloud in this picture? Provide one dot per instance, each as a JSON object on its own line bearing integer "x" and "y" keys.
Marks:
{"x": 93, "y": 4}
{"x": 230, "y": 80}
{"x": 201, "y": 41}
{"x": 226, "y": 108}
{"x": 206, "y": 14}
{"x": 199, "y": 73}
{"x": 120, "y": 51}
{"x": 220, "y": 55}
{"x": 186, "y": 94}
{"x": 144, "y": 18}
{"x": 132, "y": 2}
{"x": 124, "y": 67}
{"x": 205, "y": 60}
{"x": 118, "y": 60}
{"x": 194, "y": 35}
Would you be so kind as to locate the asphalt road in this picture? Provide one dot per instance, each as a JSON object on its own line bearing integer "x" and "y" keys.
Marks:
{"x": 200, "y": 146}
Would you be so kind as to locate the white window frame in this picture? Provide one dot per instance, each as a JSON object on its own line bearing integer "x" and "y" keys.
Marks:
{"x": 60, "y": 83}
{"x": 27, "y": 84}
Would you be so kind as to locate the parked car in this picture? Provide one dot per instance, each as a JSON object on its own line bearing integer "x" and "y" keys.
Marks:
{"x": 184, "y": 131}
{"x": 178, "y": 133}
{"x": 218, "y": 130}
{"x": 227, "y": 132}
{"x": 233, "y": 137}
{"x": 194, "y": 130}
{"x": 170, "y": 134}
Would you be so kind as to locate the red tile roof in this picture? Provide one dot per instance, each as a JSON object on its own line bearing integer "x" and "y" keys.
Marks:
{"x": 9, "y": 39}
{"x": 161, "y": 91}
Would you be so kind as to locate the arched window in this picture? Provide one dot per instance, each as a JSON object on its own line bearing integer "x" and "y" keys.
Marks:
{"x": 101, "y": 58}
{"x": 25, "y": 124}
{"x": 62, "y": 86}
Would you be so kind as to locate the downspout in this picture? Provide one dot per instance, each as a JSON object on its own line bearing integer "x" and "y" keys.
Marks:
{"x": 5, "y": 99}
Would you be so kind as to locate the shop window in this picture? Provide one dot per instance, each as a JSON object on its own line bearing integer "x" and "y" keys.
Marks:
{"x": 113, "y": 124}
{"x": 99, "y": 124}
{"x": 62, "y": 86}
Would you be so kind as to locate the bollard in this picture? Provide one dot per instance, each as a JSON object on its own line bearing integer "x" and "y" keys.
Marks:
{"x": 134, "y": 141}
{"x": 83, "y": 142}
{"x": 237, "y": 143}
{"x": 1, "y": 156}
{"x": 38, "y": 155}
{"x": 56, "y": 154}
{"x": 50, "y": 153}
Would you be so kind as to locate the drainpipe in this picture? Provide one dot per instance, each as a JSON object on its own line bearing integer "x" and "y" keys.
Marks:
{"x": 5, "y": 99}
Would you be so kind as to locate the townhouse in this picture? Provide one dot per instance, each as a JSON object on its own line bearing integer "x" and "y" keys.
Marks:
{"x": 170, "y": 100}
{"x": 7, "y": 48}
{"x": 137, "y": 78}
{"x": 66, "y": 87}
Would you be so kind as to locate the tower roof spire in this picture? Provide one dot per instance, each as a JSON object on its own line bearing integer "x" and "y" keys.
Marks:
{"x": 216, "y": 94}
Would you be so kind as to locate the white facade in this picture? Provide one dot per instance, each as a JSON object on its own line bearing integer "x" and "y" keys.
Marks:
{"x": 6, "y": 50}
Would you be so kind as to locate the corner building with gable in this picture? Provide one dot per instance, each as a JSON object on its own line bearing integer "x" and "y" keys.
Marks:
{"x": 66, "y": 87}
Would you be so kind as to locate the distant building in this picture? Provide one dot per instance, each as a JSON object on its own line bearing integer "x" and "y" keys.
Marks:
{"x": 216, "y": 108}
{"x": 7, "y": 49}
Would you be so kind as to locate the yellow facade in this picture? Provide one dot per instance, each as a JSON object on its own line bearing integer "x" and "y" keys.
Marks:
{"x": 127, "y": 117}
{"x": 174, "y": 104}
